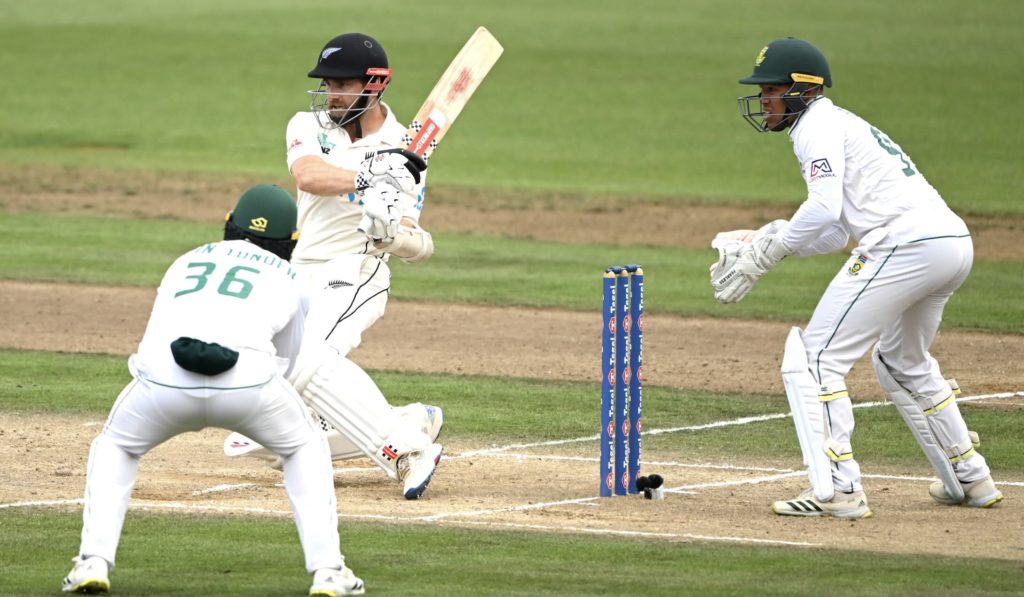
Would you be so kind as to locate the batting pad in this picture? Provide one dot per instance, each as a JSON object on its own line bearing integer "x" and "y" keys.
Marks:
{"x": 345, "y": 396}
{"x": 808, "y": 415}
{"x": 926, "y": 434}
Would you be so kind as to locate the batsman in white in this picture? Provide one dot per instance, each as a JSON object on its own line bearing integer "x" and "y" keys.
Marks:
{"x": 912, "y": 254}
{"x": 359, "y": 200}
{"x": 225, "y": 325}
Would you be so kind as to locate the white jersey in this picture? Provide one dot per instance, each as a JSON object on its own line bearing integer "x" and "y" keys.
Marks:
{"x": 328, "y": 224}
{"x": 858, "y": 181}
{"x": 231, "y": 293}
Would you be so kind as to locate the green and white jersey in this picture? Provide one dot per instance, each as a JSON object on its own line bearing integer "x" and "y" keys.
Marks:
{"x": 328, "y": 225}
{"x": 859, "y": 180}
{"x": 231, "y": 293}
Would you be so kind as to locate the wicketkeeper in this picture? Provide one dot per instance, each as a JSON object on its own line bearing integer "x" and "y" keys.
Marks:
{"x": 912, "y": 254}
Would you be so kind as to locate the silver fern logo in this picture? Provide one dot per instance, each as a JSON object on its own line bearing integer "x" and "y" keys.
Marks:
{"x": 327, "y": 52}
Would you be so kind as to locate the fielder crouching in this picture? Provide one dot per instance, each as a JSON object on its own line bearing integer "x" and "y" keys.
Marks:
{"x": 225, "y": 326}
{"x": 912, "y": 254}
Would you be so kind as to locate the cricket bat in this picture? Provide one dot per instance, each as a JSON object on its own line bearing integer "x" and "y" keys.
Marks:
{"x": 448, "y": 97}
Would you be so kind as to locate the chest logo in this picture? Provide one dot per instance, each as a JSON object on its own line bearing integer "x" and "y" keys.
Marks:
{"x": 325, "y": 145}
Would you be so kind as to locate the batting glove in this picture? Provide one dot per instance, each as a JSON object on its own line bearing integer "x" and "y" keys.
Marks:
{"x": 399, "y": 168}
{"x": 381, "y": 212}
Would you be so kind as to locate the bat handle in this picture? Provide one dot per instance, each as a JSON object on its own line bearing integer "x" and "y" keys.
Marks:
{"x": 365, "y": 223}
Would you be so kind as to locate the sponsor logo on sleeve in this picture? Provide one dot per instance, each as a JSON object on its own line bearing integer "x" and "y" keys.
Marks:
{"x": 295, "y": 143}
{"x": 821, "y": 169}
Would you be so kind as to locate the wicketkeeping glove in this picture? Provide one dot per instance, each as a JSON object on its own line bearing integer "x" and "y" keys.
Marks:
{"x": 741, "y": 264}
{"x": 399, "y": 168}
{"x": 730, "y": 278}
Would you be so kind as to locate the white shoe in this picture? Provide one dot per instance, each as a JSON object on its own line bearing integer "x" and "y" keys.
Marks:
{"x": 330, "y": 582}
{"x": 417, "y": 468}
{"x": 977, "y": 494}
{"x": 428, "y": 419}
{"x": 435, "y": 422}
{"x": 89, "y": 575}
{"x": 842, "y": 505}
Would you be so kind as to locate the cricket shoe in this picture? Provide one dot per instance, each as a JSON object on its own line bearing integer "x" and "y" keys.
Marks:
{"x": 417, "y": 468}
{"x": 435, "y": 421}
{"x": 428, "y": 419}
{"x": 331, "y": 582}
{"x": 89, "y": 575}
{"x": 977, "y": 494}
{"x": 842, "y": 505}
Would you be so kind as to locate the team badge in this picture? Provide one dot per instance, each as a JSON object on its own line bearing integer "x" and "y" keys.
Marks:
{"x": 760, "y": 56}
{"x": 857, "y": 266}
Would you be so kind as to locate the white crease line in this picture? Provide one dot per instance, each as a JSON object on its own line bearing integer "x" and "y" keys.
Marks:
{"x": 571, "y": 529}
{"x": 354, "y": 469}
{"x": 592, "y": 531}
{"x": 728, "y": 467}
{"x": 753, "y": 481}
{"x": 712, "y": 425}
{"x": 29, "y": 504}
{"x": 523, "y": 508}
{"x": 578, "y": 501}
{"x": 931, "y": 479}
{"x": 223, "y": 487}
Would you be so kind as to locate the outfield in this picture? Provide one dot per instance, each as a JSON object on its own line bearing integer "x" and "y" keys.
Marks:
{"x": 607, "y": 133}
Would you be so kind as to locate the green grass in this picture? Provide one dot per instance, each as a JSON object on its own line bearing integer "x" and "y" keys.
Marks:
{"x": 96, "y": 250}
{"x": 591, "y": 96}
{"x": 486, "y": 270}
{"x": 183, "y": 555}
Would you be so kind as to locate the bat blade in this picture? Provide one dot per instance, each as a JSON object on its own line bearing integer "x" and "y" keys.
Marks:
{"x": 449, "y": 96}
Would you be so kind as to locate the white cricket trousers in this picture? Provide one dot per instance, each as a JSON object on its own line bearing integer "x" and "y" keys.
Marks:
{"x": 895, "y": 296}
{"x": 148, "y": 413}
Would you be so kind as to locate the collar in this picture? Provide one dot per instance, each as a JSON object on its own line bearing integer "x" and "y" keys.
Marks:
{"x": 821, "y": 99}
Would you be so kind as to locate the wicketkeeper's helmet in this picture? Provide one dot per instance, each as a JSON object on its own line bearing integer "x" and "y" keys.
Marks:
{"x": 349, "y": 56}
{"x": 265, "y": 215}
{"x": 791, "y": 61}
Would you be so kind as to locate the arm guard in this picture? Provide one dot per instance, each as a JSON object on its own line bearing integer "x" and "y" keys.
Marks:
{"x": 409, "y": 244}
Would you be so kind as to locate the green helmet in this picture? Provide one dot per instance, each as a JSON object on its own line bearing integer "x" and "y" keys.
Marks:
{"x": 790, "y": 60}
{"x": 265, "y": 215}
{"x": 787, "y": 61}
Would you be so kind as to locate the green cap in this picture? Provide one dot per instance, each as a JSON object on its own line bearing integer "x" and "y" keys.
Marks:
{"x": 267, "y": 211}
{"x": 790, "y": 60}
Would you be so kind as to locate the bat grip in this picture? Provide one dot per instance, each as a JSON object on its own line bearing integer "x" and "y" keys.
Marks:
{"x": 365, "y": 223}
